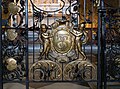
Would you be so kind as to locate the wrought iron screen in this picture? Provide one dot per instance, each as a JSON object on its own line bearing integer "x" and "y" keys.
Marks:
{"x": 59, "y": 41}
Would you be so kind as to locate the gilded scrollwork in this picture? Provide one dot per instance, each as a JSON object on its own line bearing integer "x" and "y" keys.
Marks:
{"x": 47, "y": 70}
{"x": 11, "y": 34}
{"x": 79, "y": 70}
{"x": 11, "y": 64}
{"x": 62, "y": 44}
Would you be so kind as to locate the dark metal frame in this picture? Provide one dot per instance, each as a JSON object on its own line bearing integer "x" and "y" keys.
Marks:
{"x": 105, "y": 52}
{"x": 1, "y": 74}
{"x": 26, "y": 58}
{"x": 101, "y": 45}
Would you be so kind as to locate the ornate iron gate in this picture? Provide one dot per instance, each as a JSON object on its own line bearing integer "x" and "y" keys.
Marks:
{"x": 42, "y": 43}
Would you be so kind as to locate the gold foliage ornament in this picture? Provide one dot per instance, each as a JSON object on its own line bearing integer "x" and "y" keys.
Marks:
{"x": 13, "y": 8}
{"x": 11, "y": 34}
{"x": 11, "y": 64}
{"x": 45, "y": 69}
{"x": 79, "y": 67}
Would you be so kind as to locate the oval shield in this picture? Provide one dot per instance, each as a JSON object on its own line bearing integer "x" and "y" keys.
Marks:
{"x": 62, "y": 41}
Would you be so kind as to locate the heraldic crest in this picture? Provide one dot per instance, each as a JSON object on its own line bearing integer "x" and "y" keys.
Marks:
{"x": 62, "y": 47}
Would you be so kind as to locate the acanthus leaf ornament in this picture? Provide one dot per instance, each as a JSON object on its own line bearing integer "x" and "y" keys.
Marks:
{"x": 11, "y": 34}
{"x": 13, "y": 8}
{"x": 11, "y": 64}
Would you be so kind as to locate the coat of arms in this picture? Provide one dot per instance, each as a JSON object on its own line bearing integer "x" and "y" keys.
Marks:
{"x": 62, "y": 47}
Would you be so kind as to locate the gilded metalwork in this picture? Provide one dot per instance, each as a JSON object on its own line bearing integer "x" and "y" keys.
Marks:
{"x": 62, "y": 41}
{"x": 13, "y": 39}
{"x": 11, "y": 64}
{"x": 46, "y": 69}
{"x": 79, "y": 70}
{"x": 13, "y": 8}
{"x": 63, "y": 44}
{"x": 11, "y": 34}
{"x": 62, "y": 54}
{"x": 78, "y": 43}
{"x": 45, "y": 37}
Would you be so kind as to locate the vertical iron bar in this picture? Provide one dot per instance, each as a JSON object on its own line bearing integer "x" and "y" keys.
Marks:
{"x": 77, "y": 16}
{"x": 85, "y": 10}
{"x": 1, "y": 68}
{"x": 84, "y": 17}
{"x": 101, "y": 54}
{"x": 47, "y": 19}
{"x": 26, "y": 54}
{"x": 70, "y": 11}
{"x": 55, "y": 60}
{"x": 33, "y": 41}
{"x": 33, "y": 38}
{"x": 91, "y": 59}
{"x": 99, "y": 85}
{"x": 62, "y": 72}
{"x": 40, "y": 33}
{"x": 103, "y": 44}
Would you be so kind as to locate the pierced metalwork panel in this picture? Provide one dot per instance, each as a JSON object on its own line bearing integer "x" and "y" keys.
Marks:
{"x": 62, "y": 57}
{"x": 13, "y": 40}
{"x": 113, "y": 44}
{"x": 62, "y": 41}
